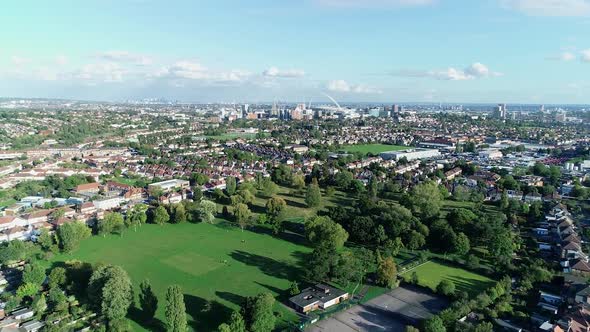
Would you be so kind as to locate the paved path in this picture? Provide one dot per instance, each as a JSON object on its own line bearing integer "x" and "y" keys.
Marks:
{"x": 388, "y": 312}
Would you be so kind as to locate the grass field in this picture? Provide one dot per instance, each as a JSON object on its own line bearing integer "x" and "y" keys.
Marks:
{"x": 296, "y": 208}
{"x": 228, "y": 136}
{"x": 372, "y": 148}
{"x": 217, "y": 263}
{"x": 432, "y": 273}
{"x": 7, "y": 202}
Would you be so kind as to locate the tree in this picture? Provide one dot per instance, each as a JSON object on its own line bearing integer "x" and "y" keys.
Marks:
{"x": 242, "y": 214}
{"x": 46, "y": 240}
{"x": 298, "y": 182}
{"x": 484, "y": 327}
{"x": 320, "y": 263}
{"x": 343, "y": 179}
{"x": 410, "y": 328}
{"x": 500, "y": 245}
{"x": 434, "y": 324}
{"x": 258, "y": 313}
{"x": 136, "y": 216}
{"x": 274, "y": 206}
{"x": 112, "y": 222}
{"x": 58, "y": 301}
{"x": 207, "y": 211}
{"x": 460, "y": 218}
{"x": 445, "y": 287}
{"x": 39, "y": 305}
{"x": 246, "y": 196}
{"x": 237, "y": 323}
{"x": 461, "y": 244}
{"x": 386, "y": 272}
{"x": 199, "y": 178}
{"x": 230, "y": 185}
{"x": 294, "y": 289}
{"x": 224, "y": 327}
{"x": 15, "y": 250}
{"x": 324, "y": 232}
{"x": 161, "y": 216}
{"x": 313, "y": 196}
{"x": 27, "y": 290}
{"x": 57, "y": 277}
{"x": 178, "y": 213}
{"x": 175, "y": 310}
{"x": 70, "y": 234}
{"x": 147, "y": 299}
{"x": 424, "y": 200}
{"x": 33, "y": 273}
{"x": 110, "y": 291}
{"x": 347, "y": 268}
{"x": 268, "y": 188}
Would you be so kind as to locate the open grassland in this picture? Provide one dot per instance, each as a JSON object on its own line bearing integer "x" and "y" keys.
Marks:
{"x": 218, "y": 264}
{"x": 372, "y": 148}
{"x": 431, "y": 273}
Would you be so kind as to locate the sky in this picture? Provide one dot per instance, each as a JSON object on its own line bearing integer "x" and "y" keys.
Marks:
{"x": 386, "y": 51}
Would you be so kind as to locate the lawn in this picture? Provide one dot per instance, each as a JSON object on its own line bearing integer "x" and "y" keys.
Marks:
{"x": 230, "y": 136}
{"x": 296, "y": 208}
{"x": 372, "y": 148}
{"x": 432, "y": 273}
{"x": 217, "y": 263}
{"x": 7, "y": 202}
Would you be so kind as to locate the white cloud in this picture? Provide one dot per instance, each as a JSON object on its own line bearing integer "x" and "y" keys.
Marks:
{"x": 374, "y": 3}
{"x": 19, "y": 61}
{"x": 125, "y": 56}
{"x": 103, "y": 72}
{"x": 473, "y": 71}
{"x": 287, "y": 73}
{"x": 565, "y": 56}
{"x": 549, "y": 7}
{"x": 586, "y": 55}
{"x": 61, "y": 60}
{"x": 191, "y": 70}
{"x": 343, "y": 86}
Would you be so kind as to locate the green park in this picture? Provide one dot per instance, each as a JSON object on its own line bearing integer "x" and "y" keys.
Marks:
{"x": 217, "y": 266}
{"x": 372, "y": 148}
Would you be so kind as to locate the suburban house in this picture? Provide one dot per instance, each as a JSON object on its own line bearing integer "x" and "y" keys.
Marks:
{"x": 38, "y": 216}
{"x": 88, "y": 188}
{"x": 450, "y": 175}
{"x": 87, "y": 208}
{"x": 583, "y": 296}
{"x": 317, "y": 297}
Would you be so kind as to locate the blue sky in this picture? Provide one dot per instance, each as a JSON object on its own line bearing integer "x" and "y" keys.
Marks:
{"x": 525, "y": 51}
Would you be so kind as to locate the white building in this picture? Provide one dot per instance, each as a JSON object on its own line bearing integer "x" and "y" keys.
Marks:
{"x": 169, "y": 185}
{"x": 107, "y": 204}
{"x": 411, "y": 154}
{"x": 491, "y": 154}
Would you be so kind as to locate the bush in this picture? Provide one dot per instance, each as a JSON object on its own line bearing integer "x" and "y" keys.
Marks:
{"x": 446, "y": 288}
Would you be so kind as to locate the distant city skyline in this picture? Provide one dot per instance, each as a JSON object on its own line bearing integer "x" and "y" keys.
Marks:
{"x": 382, "y": 51}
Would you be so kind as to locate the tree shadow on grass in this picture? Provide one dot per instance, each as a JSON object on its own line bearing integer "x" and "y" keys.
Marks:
{"x": 296, "y": 204}
{"x": 203, "y": 317}
{"x": 267, "y": 265}
{"x": 150, "y": 324}
{"x": 236, "y": 299}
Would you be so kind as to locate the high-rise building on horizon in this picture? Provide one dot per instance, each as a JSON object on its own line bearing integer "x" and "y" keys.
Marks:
{"x": 501, "y": 111}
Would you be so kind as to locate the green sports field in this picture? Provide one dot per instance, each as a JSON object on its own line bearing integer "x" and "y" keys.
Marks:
{"x": 216, "y": 263}
{"x": 372, "y": 148}
{"x": 432, "y": 273}
{"x": 230, "y": 136}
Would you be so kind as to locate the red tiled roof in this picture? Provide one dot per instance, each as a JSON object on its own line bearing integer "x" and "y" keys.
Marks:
{"x": 87, "y": 186}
